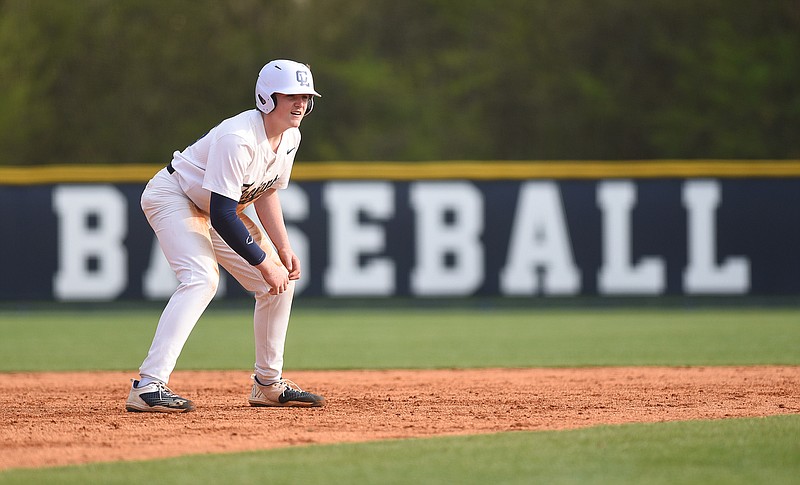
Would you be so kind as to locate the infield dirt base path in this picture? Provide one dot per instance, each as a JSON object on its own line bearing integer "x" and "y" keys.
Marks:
{"x": 51, "y": 419}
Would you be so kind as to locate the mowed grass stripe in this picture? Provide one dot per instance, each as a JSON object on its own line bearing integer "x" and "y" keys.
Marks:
{"x": 736, "y": 451}
{"x": 412, "y": 338}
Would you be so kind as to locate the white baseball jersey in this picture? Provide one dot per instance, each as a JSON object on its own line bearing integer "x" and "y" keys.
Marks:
{"x": 235, "y": 159}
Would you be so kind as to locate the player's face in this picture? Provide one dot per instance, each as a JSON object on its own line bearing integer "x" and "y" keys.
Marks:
{"x": 291, "y": 108}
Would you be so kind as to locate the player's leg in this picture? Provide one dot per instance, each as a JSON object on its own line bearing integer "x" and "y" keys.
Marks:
{"x": 183, "y": 234}
{"x": 270, "y": 324}
{"x": 271, "y": 316}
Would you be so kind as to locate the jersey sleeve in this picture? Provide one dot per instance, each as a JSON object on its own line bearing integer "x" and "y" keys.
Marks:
{"x": 228, "y": 158}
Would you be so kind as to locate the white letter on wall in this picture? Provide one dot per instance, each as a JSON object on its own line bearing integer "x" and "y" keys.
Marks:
{"x": 438, "y": 238}
{"x": 618, "y": 275}
{"x": 92, "y": 224}
{"x": 351, "y": 238}
{"x": 539, "y": 240}
{"x": 701, "y": 199}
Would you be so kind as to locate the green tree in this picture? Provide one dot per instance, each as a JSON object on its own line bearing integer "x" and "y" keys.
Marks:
{"x": 130, "y": 81}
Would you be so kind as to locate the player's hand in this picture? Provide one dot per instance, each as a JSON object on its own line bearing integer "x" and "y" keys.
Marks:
{"x": 276, "y": 276}
{"x": 291, "y": 261}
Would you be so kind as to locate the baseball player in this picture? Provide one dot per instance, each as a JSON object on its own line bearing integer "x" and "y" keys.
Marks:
{"x": 195, "y": 206}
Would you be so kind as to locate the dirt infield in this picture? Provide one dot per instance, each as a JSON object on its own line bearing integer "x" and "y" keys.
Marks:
{"x": 51, "y": 419}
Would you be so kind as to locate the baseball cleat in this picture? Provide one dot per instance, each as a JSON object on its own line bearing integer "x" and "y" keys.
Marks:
{"x": 156, "y": 398}
{"x": 282, "y": 394}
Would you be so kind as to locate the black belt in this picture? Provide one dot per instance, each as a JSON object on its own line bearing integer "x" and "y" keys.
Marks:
{"x": 170, "y": 169}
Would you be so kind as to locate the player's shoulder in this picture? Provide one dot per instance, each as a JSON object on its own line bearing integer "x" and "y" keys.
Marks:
{"x": 243, "y": 125}
{"x": 246, "y": 120}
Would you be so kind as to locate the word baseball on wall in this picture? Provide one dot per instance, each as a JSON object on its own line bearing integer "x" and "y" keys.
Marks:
{"x": 437, "y": 237}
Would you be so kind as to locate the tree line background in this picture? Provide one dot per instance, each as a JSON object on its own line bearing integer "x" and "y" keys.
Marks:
{"x": 130, "y": 81}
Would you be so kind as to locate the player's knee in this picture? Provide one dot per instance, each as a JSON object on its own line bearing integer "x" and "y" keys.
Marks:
{"x": 211, "y": 284}
{"x": 203, "y": 283}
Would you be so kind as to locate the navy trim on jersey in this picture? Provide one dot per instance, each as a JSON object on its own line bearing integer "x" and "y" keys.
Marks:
{"x": 227, "y": 223}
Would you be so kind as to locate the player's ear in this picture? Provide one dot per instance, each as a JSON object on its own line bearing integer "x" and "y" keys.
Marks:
{"x": 267, "y": 104}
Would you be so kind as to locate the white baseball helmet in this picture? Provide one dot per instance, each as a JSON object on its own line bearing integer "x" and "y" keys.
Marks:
{"x": 284, "y": 77}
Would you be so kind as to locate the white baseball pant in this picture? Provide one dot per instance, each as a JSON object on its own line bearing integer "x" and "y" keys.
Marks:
{"x": 194, "y": 251}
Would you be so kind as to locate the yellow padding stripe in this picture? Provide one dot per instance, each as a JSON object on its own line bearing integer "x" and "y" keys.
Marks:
{"x": 504, "y": 170}
{"x": 470, "y": 170}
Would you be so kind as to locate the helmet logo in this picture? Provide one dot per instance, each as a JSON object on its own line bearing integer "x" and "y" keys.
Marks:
{"x": 302, "y": 78}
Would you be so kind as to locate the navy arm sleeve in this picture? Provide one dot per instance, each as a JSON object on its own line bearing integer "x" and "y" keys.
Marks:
{"x": 228, "y": 225}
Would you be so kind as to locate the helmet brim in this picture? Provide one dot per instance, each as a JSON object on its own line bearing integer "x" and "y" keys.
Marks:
{"x": 299, "y": 91}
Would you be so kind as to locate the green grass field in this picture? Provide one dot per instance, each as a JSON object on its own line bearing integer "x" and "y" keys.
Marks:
{"x": 408, "y": 338}
{"x": 763, "y": 450}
